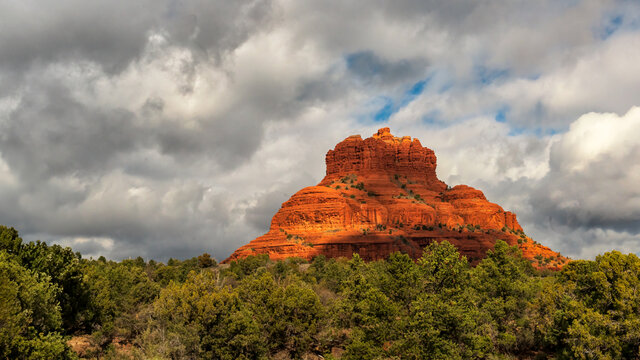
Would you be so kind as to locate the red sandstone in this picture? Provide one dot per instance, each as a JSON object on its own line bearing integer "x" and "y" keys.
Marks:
{"x": 382, "y": 195}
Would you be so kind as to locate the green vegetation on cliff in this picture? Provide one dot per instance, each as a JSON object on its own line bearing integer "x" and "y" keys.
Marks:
{"x": 436, "y": 308}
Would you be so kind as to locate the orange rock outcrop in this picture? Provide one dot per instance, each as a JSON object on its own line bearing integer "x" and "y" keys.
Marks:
{"x": 381, "y": 195}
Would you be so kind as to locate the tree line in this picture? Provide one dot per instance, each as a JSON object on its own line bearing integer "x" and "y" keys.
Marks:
{"x": 438, "y": 307}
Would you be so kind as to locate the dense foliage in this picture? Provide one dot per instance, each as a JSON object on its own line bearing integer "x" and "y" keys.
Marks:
{"x": 438, "y": 307}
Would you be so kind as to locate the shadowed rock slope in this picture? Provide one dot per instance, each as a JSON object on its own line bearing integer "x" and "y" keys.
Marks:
{"x": 381, "y": 195}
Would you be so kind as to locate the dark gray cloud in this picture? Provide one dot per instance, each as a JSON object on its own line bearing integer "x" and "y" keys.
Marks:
{"x": 50, "y": 134}
{"x": 267, "y": 204}
{"x": 259, "y": 216}
{"x": 114, "y": 33}
{"x": 373, "y": 70}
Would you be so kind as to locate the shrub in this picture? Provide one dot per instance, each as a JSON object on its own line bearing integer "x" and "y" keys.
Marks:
{"x": 205, "y": 261}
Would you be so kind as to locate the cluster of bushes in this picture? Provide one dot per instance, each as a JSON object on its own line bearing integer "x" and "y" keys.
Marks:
{"x": 437, "y": 307}
{"x": 49, "y": 293}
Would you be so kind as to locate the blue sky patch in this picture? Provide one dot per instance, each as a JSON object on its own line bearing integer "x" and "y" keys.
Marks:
{"x": 414, "y": 91}
{"x": 432, "y": 118}
{"x": 611, "y": 26}
{"x": 515, "y": 131}
{"x": 390, "y": 107}
{"x": 385, "y": 112}
{"x": 501, "y": 115}
{"x": 487, "y": 75}
{"x": 417, "y": 88}
{"x": 537, "y": 131}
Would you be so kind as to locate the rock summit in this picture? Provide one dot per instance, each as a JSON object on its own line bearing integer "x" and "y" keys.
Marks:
{"x": 382, "y": 195}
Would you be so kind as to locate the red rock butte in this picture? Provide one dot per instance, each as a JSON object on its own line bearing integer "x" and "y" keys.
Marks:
{"x": 382, "y": 195}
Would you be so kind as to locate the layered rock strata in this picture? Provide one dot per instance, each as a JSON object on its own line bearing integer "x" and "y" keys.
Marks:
{"x": 382, "y": 195}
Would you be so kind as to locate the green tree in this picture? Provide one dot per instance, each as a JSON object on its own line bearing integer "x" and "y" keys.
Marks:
{"x": 367, "y": 312}
{"x": 397, "y": 278}
{"x": 596, "y": 307}
{"x": 443, "y": 269}
{"x": 247, "y": 266}
{"x": 196, "y": 320}
{"x": 10, "y": 241}
{"x": 441, "y": 321}
{"x": 63, "y": 266}
{"x": 330, "y": 273}
{"x": 206, "y": 261}
{"x": 118, "y": 292}
{"x": 505, "y": 288}
{"x": 289, "y": 314}
{"x": 30, "y": 320}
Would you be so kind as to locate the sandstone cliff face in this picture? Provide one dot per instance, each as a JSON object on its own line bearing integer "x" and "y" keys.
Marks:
{"x": 382, "y": 195}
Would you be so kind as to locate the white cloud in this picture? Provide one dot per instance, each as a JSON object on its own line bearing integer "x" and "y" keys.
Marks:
{"x": 594, "y": 173}
{"x": 89, "y": 247}
{"x": 595, "y": 137}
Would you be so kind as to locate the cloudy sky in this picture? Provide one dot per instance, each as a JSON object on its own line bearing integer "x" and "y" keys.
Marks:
{"x": 167, "y": 128}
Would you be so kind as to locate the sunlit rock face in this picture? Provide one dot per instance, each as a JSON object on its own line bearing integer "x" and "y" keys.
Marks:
{"x": 382, "y": 195}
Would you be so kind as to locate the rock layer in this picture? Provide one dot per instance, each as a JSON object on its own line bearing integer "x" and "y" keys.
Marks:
{"x": 382, "y": 195}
